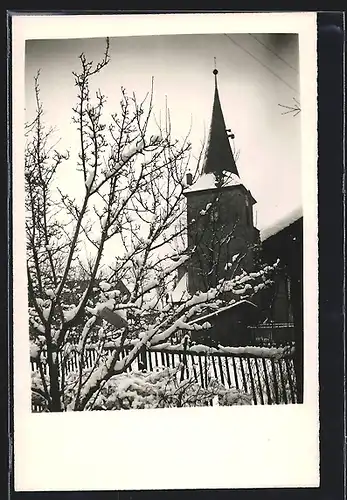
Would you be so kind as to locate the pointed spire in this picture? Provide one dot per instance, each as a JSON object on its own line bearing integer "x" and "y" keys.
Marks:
{"x": 218, "y": 156}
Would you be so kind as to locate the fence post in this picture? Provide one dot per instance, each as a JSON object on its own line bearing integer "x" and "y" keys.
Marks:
{"x": 184, "y": 369}
{"x": 142, "y": 360}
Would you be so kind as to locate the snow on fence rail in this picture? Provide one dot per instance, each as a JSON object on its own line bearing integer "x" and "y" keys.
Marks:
{"x": 267, "y": 374}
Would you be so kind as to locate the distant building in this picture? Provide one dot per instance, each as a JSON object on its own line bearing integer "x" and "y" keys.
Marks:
{"x": 222, "y": 231}
{"x": 281, "y": 307}
{"x": 284, "y": 241}
{"x": 220, "y": 228}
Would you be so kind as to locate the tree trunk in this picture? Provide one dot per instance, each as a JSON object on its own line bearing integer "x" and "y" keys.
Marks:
{"x": 55, "y": 404}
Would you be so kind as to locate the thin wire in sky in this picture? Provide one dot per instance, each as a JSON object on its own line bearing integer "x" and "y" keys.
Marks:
{"x": 260, "y": 62}
{"x": 273, "y": 52}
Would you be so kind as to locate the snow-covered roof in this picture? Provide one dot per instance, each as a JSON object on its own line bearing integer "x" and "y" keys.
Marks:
{"x": 281, "y": 223}
{"x": 223, "y": 309}
{"x": 180, "y": 292}
{"x": 208, "y": 181}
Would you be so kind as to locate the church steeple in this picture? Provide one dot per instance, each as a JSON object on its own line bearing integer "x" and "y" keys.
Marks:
{"x": 218, "y": 156}
{"x": 220, "y": 222}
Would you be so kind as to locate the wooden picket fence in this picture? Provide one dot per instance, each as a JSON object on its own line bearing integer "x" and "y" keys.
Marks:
{"x": 269, "y": 380}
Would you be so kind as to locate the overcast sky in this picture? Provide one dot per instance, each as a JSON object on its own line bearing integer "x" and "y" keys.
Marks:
{"x": 256, "y": 73}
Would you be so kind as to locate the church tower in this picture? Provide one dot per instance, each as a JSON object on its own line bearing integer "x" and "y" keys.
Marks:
{"x": 219, "y": 212}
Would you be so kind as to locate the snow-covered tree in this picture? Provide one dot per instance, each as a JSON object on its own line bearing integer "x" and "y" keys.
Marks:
{"x": 132, "y": 182}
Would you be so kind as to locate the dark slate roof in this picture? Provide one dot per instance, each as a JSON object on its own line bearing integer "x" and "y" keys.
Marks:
{"x": 218, "y": 156}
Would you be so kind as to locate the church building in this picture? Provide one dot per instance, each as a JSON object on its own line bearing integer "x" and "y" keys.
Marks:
{"x": 219, "y": 214}
{"x": 221, "y": 230}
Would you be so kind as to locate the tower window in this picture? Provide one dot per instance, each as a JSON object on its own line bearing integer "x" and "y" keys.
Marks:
{"x": 214, "y": 216}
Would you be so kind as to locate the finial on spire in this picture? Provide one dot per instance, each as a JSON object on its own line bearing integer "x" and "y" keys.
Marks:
{"x": 215, "y": 71}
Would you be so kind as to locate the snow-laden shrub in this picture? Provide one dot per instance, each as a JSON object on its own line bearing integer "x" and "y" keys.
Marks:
{"x": 162, "y": 388}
